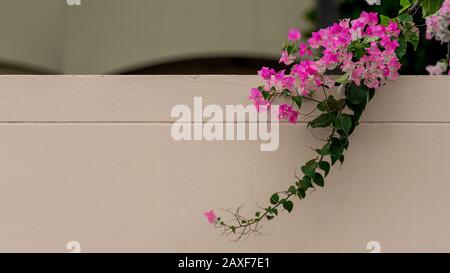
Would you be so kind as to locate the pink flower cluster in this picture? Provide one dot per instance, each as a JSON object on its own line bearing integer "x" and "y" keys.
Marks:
{"x": 439, "y": 69}
{"x": 376, "y": 43}
{"x": 362, "y": 49}
{"x": 438, "y": 24}
{"x": 288, "y": 113}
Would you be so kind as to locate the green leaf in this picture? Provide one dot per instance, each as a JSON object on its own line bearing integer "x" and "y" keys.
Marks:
{"x": 325, "y": 166}
{"x": 406, "y": 4}
{"x": 337, "y": 148}
{"x": 357, "y": 110}
{"x": 385, "y": 20}
{"x": 343, "y": 79}
{"x": 286, "y": 92}
{"x": 298, "y": 100}
{"x": 414, "y": 38}
{"x": 334, "y": 159}
{"x": 371, "y": 39}
{"x": 291, "y": 49}
{"x": 430, "y": 7}
{"x": 274, "y": 211}
{"x": 333, "y": 104}
{"x": 292, "y": 190}
{"x": 274, "y": 199}
{"x": 301, "y": 193}
{"x": 344, "y": 143}
{"x": 358, "y": 95}
{"x": 405, "y": 18}
{"x": 310, "y": 168}
{"x": 401, "y": 50}
{"x": 322, "y": 106}
{"x": 411, "y": 34}
{"x": 288, "y": 205}
{"x": 305, "y": 183}
{"x": 318, "y": 180}
{"x": 358, "y": 48}
{"x": 321, "y": 121}
{"x": 325, "y": 150}
{"x": 346, "y": 123}
{"x": 359, "y": 52}
{"x": 266, "y": 94}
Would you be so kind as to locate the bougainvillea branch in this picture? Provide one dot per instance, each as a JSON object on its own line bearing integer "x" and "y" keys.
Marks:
{"x": 365, "y": 52}
{"x": 315, "y": 170}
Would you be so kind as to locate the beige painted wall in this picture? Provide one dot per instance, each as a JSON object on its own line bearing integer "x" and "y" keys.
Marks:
{"x": 91, "y": 159}
{"x": 107, "y": 36}
{"x": 31, "y": 33}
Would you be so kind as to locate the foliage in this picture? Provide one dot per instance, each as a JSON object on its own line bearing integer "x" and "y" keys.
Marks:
{"x": 366, "y": 52}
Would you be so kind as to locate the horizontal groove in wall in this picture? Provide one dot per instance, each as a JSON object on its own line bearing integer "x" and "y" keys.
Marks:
{"x": 171, "y": 122}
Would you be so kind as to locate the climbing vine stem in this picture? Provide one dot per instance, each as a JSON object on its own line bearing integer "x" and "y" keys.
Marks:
{"x": 314, "y": 171}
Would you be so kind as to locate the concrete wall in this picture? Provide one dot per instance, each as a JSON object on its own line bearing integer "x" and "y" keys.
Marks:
{"x": 104, "y": 36}
{"x": 31, "y": 34}
{"x": 109, "y": 36}
{"x": 91, "y": 159}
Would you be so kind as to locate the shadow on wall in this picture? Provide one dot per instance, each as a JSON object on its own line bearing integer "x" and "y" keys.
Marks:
{"x": 194, "y": 66}
{"x": 208, "y": 66}
{"x": 10, "y": 68}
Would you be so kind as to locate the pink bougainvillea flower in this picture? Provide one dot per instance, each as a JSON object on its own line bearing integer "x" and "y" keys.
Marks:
{"x": 438, "y": 24}
{"x": 370, "y": 17}
{"x": 388, "y": 44}
{"x": 288, "y": 113}
{"x": 286, "y": 58}
{"x": 294, "y": 35}
{"x": 438, "y": 69}
{"x": 211, "y": 216}
{"x": 329, "y": 59}
{"x": 393, "y": 29}
{"x": 303, "y": 50}
{"x": 258, "y": 100}
{"x": 373, "y": 67}
{"x": 328, "y": 82}
{"x": 315, "y": 40}
{"x": 266, "y": 73}
{"x": 294, "y": 117}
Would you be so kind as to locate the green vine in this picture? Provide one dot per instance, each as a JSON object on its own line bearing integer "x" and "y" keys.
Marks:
{"x": 340, "y": 117}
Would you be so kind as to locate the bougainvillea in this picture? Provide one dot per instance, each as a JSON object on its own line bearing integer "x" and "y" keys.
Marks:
{"x": 438, "y": 28}
{"x": 365, "y": 54}
{"x": 438, "y": 24}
